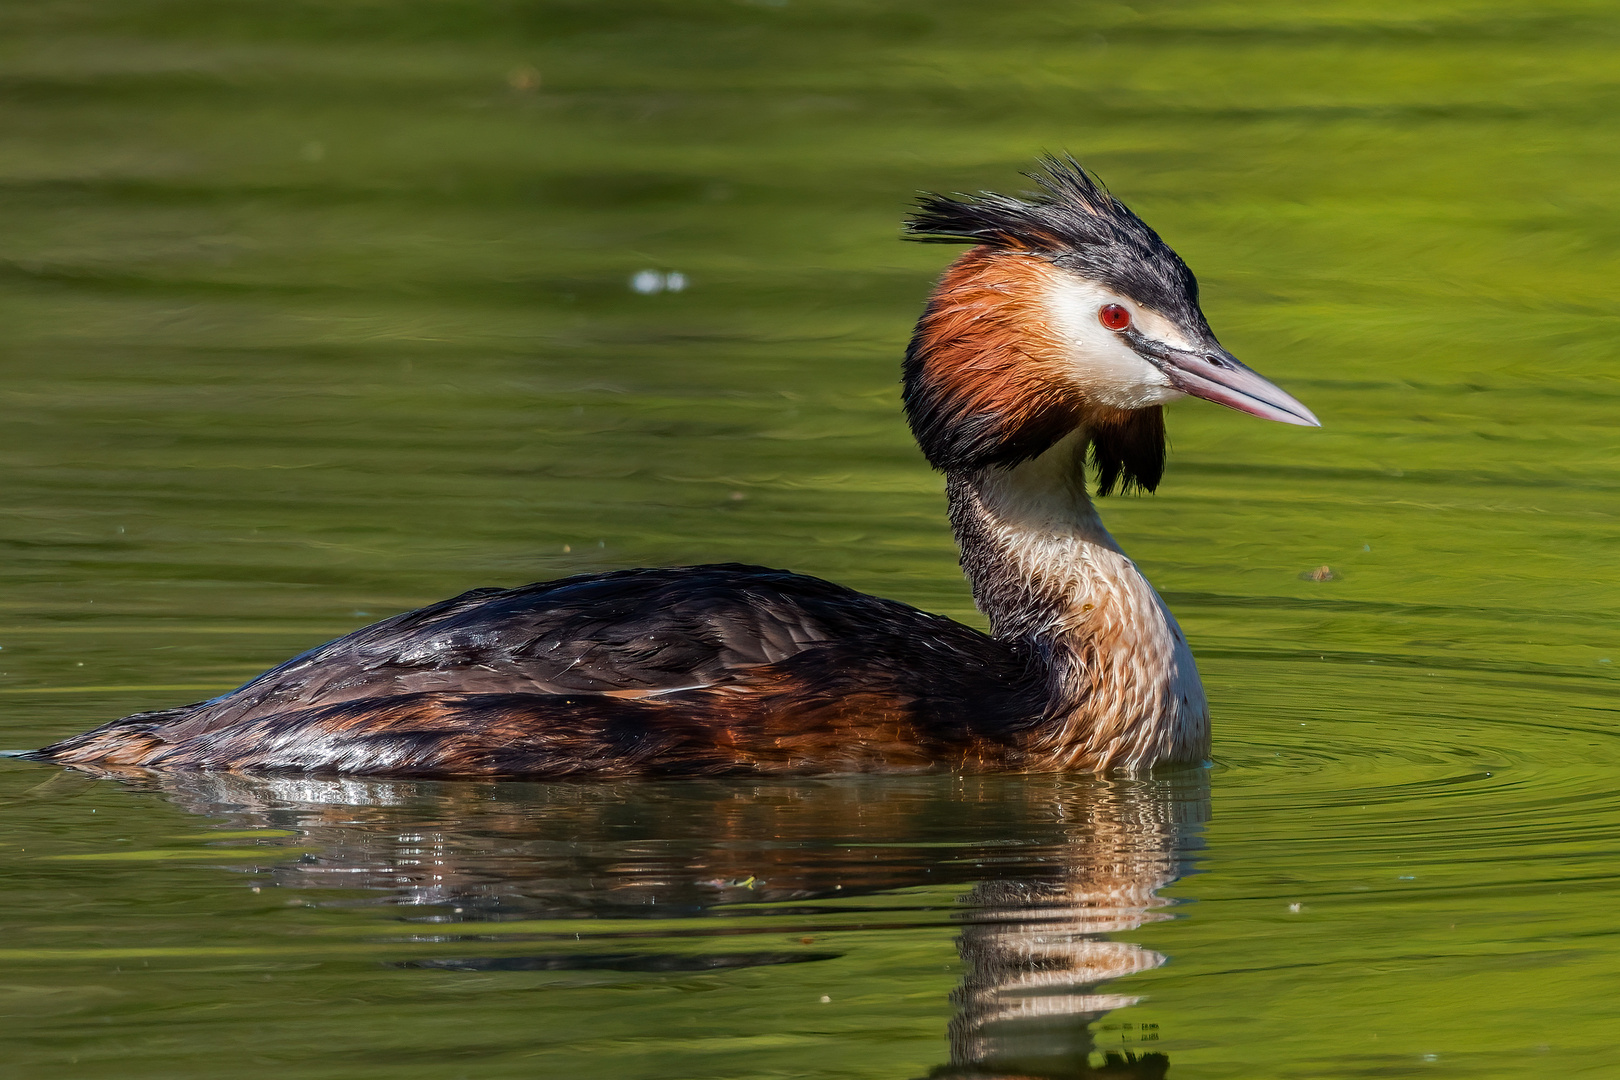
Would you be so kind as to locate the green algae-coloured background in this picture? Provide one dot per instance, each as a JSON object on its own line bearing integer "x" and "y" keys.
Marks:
{"x": 314, "y": 311}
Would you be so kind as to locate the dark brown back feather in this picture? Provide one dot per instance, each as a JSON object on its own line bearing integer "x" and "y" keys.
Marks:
{"x": 686, "y": 670}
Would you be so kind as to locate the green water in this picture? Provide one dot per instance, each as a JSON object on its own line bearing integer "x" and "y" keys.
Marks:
{"x": 312, "y": 311}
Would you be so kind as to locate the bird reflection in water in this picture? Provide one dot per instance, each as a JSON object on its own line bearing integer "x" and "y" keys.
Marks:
{"x": 1056, "y": 868}
{"x": 1035, "y": 951}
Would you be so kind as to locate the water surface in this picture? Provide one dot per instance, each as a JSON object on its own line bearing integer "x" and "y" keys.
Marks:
{"x": 311, "y": 313}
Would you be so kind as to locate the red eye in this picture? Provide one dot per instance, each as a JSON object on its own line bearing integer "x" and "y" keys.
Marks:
{"x": 1114, "y": 317}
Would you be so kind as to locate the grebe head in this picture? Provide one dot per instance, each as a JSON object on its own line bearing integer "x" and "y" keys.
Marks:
{"x": 1068, "y": 313}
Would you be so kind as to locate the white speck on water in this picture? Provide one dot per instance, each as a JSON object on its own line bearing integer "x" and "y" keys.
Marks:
{"x": 1407, "y": 877}
{"x": 825, "y": 1000}
{"x": 1431, "y": 1057}
{"x": 1366, "y": 547}
{"x": 648, "y": 282}
{"x": 1296, "y": 907}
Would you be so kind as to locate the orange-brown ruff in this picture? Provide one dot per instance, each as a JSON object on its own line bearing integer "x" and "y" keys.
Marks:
{"x": 1054, "y": 340}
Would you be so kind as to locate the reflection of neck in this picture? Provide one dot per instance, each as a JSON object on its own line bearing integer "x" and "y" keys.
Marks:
{"x": 1034, "y": 954}
{"x": 1122, "y": 689}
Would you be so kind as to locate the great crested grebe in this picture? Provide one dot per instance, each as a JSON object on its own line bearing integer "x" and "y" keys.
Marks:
{"x": 1058, "y": 336}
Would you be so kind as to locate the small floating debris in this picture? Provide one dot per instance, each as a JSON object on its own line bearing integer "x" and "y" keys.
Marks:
{"x": 1321, "y": 573}
{"x": 649, "y": 282}
{"x": 735, "y": 883}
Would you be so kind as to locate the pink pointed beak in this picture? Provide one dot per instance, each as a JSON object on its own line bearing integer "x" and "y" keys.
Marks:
{"x": 1216, "y": 375}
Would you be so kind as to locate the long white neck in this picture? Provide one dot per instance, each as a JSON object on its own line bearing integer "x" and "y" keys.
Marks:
{"x": 1122, "y": 689}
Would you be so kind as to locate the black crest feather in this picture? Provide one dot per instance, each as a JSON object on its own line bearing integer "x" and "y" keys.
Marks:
{"x": 1077, "y": 222}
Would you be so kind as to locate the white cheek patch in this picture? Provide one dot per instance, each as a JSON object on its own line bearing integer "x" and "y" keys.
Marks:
{"x": 1103, "y": 366}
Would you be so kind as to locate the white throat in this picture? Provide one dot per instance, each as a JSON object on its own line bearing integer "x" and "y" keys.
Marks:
{"x": 1122, "y": 686}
